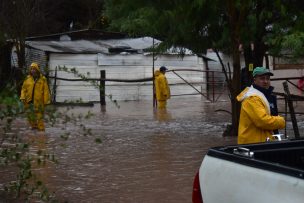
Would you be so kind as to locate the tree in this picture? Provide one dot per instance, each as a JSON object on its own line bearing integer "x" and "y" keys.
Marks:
{"x": 287, "y": 36}
{"x": 66, "y": 15}
{"x": 202, "y": 24}
{"x": 24, "y": 18}
{"x": 17, "y": 20}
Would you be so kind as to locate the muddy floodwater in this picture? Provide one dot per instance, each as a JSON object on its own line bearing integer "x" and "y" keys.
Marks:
{"x": 132, "y": 154}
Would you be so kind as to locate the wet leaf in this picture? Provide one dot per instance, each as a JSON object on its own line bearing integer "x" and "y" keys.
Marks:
{"x": 98, "y": 140}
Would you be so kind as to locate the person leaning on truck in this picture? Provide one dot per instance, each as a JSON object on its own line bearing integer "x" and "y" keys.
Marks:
{"x": 35, "y": 95}
{"x": 259, "y": 115}
{"x": 161, "y": 87}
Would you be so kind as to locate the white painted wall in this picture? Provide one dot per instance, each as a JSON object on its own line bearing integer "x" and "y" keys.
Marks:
{"x": 130, "y": 66}
{"x": 285, "y": 73}
{"x": 277, "y": 73}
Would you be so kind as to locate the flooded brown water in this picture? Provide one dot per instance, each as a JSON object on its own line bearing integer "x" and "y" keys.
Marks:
{"x": 144, "y": 155}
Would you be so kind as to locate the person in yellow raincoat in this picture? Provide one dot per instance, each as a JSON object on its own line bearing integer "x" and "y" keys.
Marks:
{"x": 258, "y": 119}
{"x": 35, "y": 95}
{"x": 161, "y": 88}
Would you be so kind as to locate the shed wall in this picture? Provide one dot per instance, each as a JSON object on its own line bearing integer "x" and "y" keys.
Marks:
{"x": 120, "y": 66}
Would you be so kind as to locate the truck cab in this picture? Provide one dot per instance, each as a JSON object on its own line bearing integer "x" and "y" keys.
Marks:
{"x": 264, "y": 173}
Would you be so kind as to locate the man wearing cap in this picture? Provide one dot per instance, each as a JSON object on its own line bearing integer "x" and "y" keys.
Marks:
{"x": 259, "y": 114}
{"x": 161, "y": 87}
{"x": 35, "y": 95}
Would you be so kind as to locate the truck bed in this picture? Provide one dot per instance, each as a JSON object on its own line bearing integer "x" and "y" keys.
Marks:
{"x": 285, "y": 157}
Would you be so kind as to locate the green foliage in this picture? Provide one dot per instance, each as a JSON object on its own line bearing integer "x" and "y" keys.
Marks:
{"x": 98, "y": 140}
{"x": 286, "y": 36}
{"x": 165, "y": 20}
{"x": 293, "y": 43}
{"x": 76, "y": 73}
{"x": 15, "y": 150}
{"x": 93, "y": 81}
{"x": 288, "y": 46}
{"x": 202, "y": 24}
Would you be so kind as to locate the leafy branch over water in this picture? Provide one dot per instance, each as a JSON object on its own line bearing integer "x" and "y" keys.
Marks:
{"x": 94, "y": 82}
{"x": 18, "y": 153}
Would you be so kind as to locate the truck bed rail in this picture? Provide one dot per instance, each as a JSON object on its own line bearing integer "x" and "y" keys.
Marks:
{"x": 285, "y": 157}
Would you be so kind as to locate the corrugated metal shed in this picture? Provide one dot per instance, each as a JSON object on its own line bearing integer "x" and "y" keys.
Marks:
{"x": 122, "y": 57}
{"x": 90, "y": 41}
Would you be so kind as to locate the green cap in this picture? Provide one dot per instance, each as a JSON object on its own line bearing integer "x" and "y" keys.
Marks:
{"x": 261, "y": 71}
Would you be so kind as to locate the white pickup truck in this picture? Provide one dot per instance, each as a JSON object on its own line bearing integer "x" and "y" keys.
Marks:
{"x": 270, "y": 172}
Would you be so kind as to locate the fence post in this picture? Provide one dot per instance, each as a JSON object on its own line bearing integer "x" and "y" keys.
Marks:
{"x": 54, "y": 86}
{"x": 207, "y": 83}
{"x": 102, "y": 87}
{"x": 213, "y": 84}
{"x": 286, "y": 114}
{"x": 153, "y": 82}
{"x": 291, "y": 110}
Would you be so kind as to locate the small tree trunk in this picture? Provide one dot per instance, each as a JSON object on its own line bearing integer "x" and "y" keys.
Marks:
{"x": 234, "y": 89}
{"x": 259, "y": 52}
{"x": 236, "y": 86}
{"x": 20, "y": 51}
{"x": 236, "y": 20}
{"x": 5, "y": 63}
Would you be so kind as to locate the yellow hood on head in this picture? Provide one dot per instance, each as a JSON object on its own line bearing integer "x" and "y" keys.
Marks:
{"x": 35, "y": 65}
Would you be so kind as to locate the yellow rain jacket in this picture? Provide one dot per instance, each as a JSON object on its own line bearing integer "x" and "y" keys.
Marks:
{"x": 36, "y": 92}
{"x": 161, "y": 86}
{"x": 256, "y": 122}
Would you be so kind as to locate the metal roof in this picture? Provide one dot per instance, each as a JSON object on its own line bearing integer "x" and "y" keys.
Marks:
{"x": 93, "y": 46}
{"x": 90, "y": 41}
{"x": 89, "y": 34}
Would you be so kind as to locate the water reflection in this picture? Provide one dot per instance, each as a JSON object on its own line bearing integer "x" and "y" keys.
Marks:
{"x": 146, "y": 155}
{"x": 160, "y": 153}
{"x": 162, "y": 115}
{"x": 42, "y": 163}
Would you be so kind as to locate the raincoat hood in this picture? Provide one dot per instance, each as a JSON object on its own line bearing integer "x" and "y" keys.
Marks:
{"x": 35, "y": 66}
{"x": 251, "y": 91}
{"x": 156, "y": 73}
{"x": 243, "y": 95}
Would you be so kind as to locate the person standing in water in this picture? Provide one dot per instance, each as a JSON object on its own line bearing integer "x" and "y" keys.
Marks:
{"x": 35, "y": 95}
{"x": 162, "y": 88}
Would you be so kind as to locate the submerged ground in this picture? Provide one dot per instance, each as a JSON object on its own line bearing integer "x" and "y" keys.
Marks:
{"x": 134, "y": 153}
